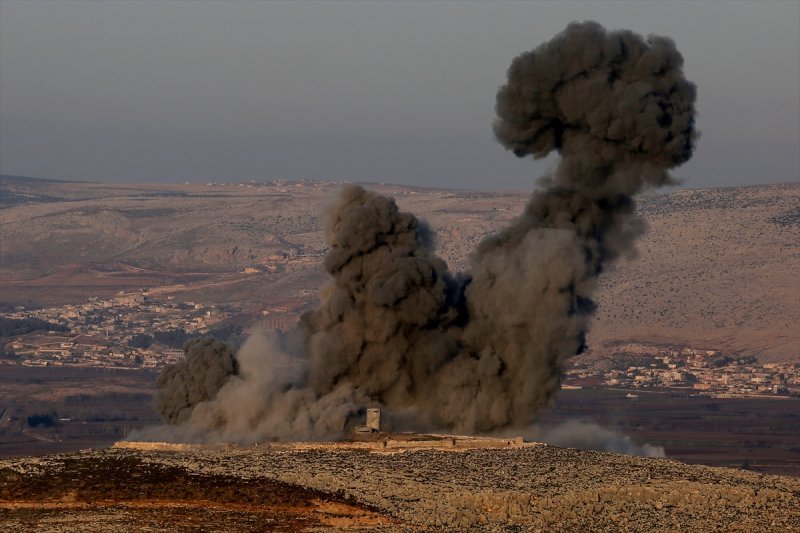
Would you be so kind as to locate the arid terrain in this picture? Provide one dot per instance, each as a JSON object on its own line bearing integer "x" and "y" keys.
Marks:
{"x": 716, "y": 269}
{"x": 338, "y": 487}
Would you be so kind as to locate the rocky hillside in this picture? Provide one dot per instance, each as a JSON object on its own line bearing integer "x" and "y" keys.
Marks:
{"x": 332, "y": 487}
{"x": 717, "y": 268}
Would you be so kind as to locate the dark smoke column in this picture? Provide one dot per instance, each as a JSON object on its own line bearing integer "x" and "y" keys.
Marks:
{"x": 206, "y": 365}
{"x": 620, "y": 113}
{"x": 482, "y": 351}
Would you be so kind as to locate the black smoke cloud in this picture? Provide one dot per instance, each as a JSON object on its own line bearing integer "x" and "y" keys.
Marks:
{"x": 480, "y": 351}
{"x": 206, "y": 366}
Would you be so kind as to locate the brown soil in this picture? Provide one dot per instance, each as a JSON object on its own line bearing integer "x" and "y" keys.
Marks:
{"x": 120, "y": 492}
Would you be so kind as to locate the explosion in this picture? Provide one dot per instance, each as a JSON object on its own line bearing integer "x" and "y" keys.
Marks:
{"x": 478, "y": 351}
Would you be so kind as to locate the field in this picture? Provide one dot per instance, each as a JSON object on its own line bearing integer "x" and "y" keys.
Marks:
{"x": 760, "y": 434}
{"x": 84, "y": 407}
{"x": 103, "y": 406}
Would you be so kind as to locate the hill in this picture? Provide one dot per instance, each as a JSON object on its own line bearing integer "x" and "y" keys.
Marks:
{"x": 717, "y": 268}
{"x": 335, "y": 487}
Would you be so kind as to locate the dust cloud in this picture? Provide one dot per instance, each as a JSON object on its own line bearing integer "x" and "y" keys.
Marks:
{"x": 590, "y": 436}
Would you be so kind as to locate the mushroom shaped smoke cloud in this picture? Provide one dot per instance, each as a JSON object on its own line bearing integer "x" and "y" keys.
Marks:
{"x": 480, "y": 351}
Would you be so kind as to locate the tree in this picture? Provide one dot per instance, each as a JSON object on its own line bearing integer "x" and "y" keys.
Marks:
{"x": 46, "y": 420}
{"x": 140, "y": 340}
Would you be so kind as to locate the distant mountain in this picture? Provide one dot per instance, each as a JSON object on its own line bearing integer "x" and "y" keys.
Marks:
{"x": 18, "y": 180}
{"x": 21, "y": 190}
{"x": 717, "y": 268}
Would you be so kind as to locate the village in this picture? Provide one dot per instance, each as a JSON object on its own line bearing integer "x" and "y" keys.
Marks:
{"x": 141, "y": 331}
{"x": 699, "y": 372}
{"x": 131, "y": 330}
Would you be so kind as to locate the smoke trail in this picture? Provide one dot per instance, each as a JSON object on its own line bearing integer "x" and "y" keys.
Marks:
{"x": 478, "y": 352}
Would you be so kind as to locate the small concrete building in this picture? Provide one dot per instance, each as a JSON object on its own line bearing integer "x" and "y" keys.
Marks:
{"x": 373, "y": 424}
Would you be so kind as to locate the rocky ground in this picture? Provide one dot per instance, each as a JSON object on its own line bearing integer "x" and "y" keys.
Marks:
{"x": 336, "y": 487}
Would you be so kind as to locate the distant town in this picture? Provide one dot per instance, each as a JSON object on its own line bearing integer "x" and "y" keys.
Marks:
{"x": 131, "y": 330}
{"x": 701, "y": 372}
{"x": 139, "y": 331}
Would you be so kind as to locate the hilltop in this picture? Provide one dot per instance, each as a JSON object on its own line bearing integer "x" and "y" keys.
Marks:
{"x": 716, "y": 269}
{"x": 335, "y": 487}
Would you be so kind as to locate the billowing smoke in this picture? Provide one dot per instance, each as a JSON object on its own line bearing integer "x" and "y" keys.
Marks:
{"x": 205, "y": 368}
{"x": 590, "y": 436}
{"x": 479, "y": 351}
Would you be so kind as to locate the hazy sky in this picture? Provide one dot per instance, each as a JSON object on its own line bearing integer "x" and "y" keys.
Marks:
{"x": 386, "y": 92}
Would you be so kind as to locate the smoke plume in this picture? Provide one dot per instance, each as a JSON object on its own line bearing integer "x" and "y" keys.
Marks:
{"x": 479, "y": 351}
{"x": 590, "y": 436}
{"x": 206, "y": 366}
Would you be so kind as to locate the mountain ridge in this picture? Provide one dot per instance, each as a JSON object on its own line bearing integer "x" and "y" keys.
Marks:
{"x": 716, "y": 269}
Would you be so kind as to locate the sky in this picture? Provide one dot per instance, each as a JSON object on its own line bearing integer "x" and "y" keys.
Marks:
{"x": 390, "y": 92}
